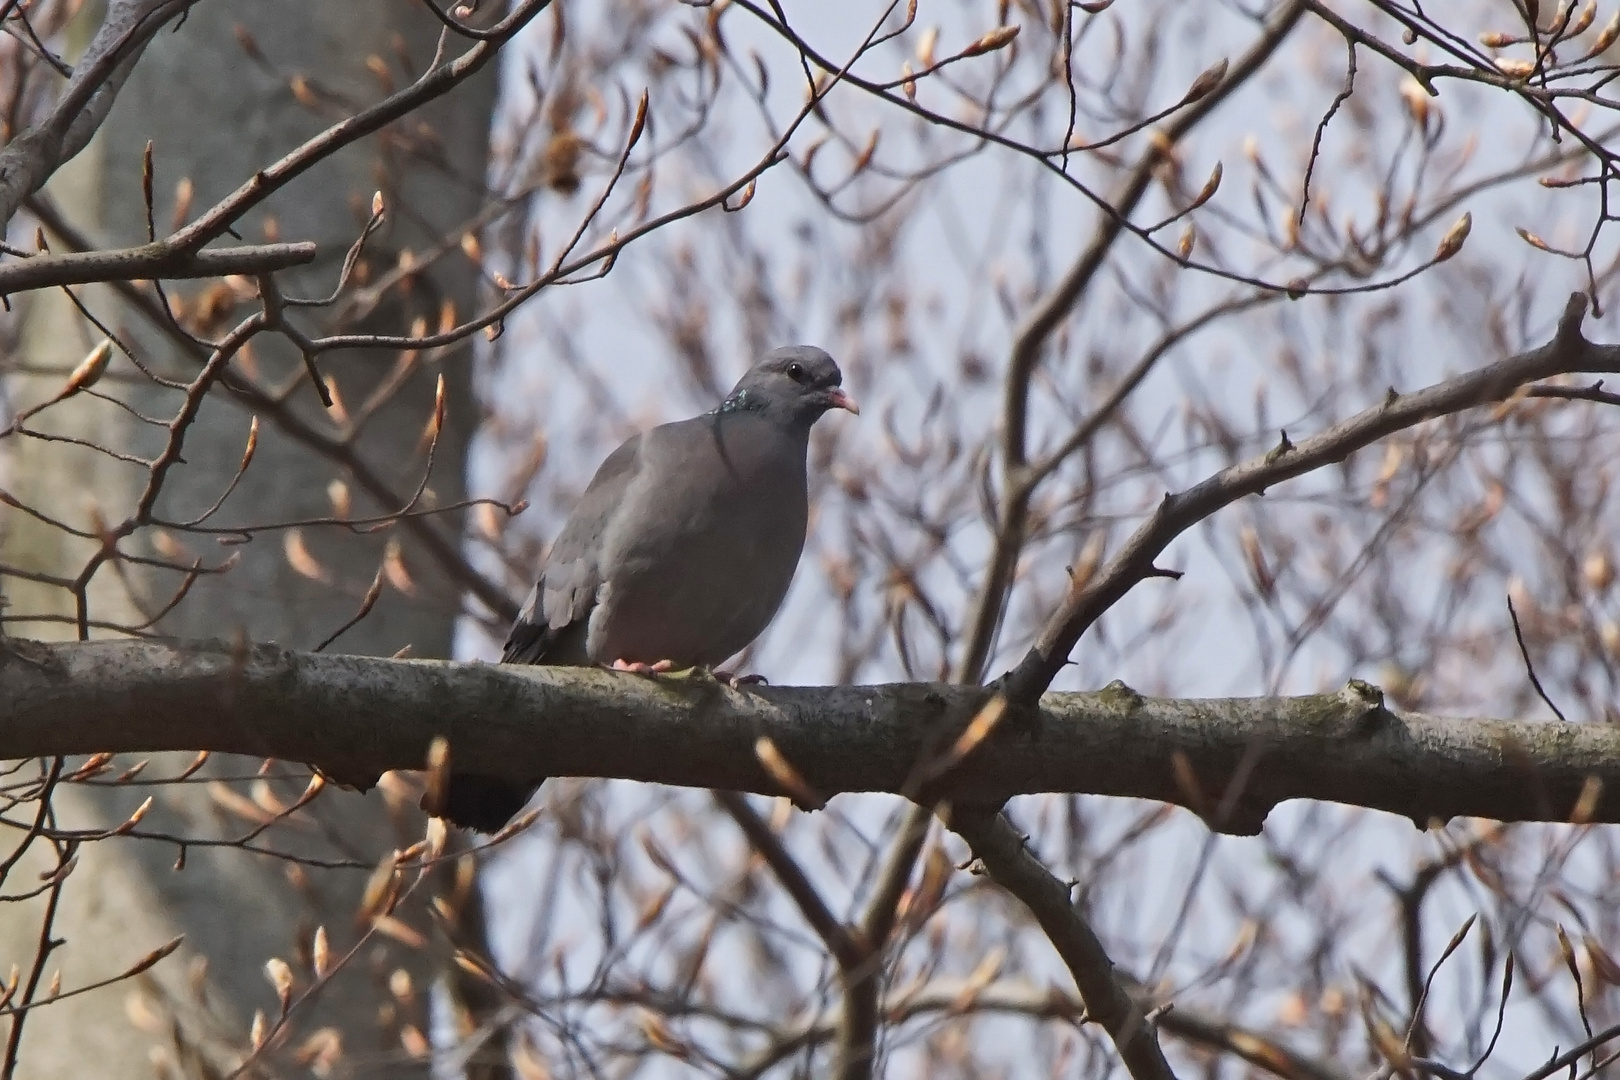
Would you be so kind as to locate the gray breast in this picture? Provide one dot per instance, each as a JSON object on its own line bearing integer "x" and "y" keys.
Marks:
{"x": 702, "y": 554}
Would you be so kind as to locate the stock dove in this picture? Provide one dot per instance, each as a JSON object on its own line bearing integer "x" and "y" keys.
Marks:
{"x": 680, "y": 550}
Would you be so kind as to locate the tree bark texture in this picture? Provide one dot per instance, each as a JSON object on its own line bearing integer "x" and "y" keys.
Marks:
{"x": 1229, "y": 759}
{"x": 214, "y": 114}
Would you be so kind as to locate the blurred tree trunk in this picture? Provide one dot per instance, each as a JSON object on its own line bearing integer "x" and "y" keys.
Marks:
{"x": 217, "y": 98}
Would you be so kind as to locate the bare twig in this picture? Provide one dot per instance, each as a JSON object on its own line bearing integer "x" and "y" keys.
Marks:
{"x": 1529, "y": 665}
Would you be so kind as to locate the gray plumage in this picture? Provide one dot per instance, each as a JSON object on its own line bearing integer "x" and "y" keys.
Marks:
{"x": 682, "y": 547}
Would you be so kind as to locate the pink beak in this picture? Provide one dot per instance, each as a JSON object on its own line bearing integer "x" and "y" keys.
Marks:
{"x": 842, "y": 400}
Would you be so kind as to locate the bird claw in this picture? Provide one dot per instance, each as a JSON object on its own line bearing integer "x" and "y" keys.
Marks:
{"x": 636, "y": 667}
{"x": 737, "y": 682}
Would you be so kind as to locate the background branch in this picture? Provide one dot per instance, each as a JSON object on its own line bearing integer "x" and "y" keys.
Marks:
{"x": 1566, "y": 353}
{"x": 1003, "y": 851}
{"x": 150, "y": 261}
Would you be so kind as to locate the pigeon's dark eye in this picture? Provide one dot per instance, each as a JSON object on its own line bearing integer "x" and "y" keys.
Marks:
{"x": 796, "y": 372}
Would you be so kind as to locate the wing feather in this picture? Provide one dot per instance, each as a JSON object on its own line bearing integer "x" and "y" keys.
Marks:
{"x": 550, "y": 628}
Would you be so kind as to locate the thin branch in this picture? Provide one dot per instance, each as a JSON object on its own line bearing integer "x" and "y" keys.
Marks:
{"x": 1321, "y": 128}
{"x": 27, "y": 161}
{"x": 1573, "y": 1054}
{"x": 1566, "y": 353}
{"x": 445, "y": 552}
{"x": 1529, "y": 665}
{"x": 433, "y": 84}
{"x": 148, "y": 262}
{"x": 1194, "y": 1026}
{"x": 1043, "y": 319}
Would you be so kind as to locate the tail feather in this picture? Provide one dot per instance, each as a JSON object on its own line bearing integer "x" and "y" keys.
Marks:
{"x": 485, "y": 803}
{"x": 536, "y": 643}
{"x": 526, "y": 643}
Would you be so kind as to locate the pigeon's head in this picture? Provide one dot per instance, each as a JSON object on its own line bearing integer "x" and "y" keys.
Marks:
{"x": 796, "y": 383}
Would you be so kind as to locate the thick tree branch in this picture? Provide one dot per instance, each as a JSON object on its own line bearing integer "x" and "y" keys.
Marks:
{"x": 357, "y": 716}
{"x": 148, "y": 262}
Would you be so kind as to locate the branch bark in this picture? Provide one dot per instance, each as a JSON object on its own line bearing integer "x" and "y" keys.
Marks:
{"x": 357, "y": 716}
{"x": 147, "y": 262}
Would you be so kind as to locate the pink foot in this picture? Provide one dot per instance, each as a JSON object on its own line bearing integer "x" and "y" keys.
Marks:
{"x": 635, "y": 667}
